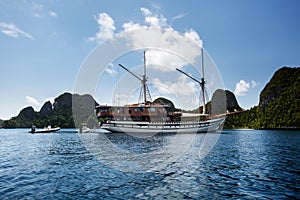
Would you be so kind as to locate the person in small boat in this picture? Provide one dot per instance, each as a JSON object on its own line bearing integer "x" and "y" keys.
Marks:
{"x": 33, "y": 128}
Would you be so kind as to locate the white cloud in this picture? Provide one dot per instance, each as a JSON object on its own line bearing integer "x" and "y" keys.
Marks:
{"x": 166, "y": 39}
{"x": 106, "y": 28}
{"x": 254, "y": 84}
{"x": 163, "y": 61}
{"x": 131, "y": 26}
{"x": 154, "y": 31}
{"x": 193, "y": 35}
{"x": 110, "y": 69}
{"x": 51, "y": 99}
{"x": 154, "y": 21}
{"x": 13, "y": 31}
{"x": 146, "y": 11}
{"x": 242, "y": 87}
{"x": 184, "y": 93}
{"x": 38, "y": 7}
{"x": 159, "y": 33}
{"x": 37, "y": 10}
{"x": 173, "y": 88}
{"x": 180, "y": 16}
{"x": 40, "y": 11}
{"x": 32, "y": 100}
{"x": 52, "y": 14}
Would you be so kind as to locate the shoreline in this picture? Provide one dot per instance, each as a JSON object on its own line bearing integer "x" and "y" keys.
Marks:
{"x": 283, "y": 129}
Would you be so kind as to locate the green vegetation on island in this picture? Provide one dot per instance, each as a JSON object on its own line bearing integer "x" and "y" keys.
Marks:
{"x": 279, "y": 104}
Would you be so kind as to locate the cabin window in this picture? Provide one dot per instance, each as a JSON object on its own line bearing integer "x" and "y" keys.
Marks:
{"x": 135, "y": 109}
{"x": 142, "y": 109}
{"x": 152, "y": 109}
{"x": 129, "y": 111}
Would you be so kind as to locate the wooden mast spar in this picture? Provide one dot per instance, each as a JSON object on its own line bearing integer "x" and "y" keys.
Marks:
{"x": 143, "y": 80}
{"x": 201, "y": 83}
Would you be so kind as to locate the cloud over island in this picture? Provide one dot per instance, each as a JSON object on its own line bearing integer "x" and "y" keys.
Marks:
{"x": 32, "y": 101}
{"x": 242, "y": 87}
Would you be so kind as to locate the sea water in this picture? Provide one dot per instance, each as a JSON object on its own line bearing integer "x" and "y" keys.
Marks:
{"x": 243, "y": 164}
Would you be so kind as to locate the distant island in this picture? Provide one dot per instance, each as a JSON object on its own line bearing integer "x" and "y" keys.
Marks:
{"x": 57, "y": 114}
{"x": 279, "y": 107}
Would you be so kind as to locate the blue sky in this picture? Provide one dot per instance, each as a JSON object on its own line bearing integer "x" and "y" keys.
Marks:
{"x": 44, "y": 43}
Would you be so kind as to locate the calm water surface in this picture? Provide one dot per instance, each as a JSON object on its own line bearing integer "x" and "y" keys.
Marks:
{"x": 244, "y": 164}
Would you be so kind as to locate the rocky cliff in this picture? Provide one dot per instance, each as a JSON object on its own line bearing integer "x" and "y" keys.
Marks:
{"x": 284, "y": 82}
{"x": 223, "y": 101}
{"x": 27, "y": 112}
{"x": 231, "y": 102}
{"x": 46, "y": 109}
{"x": 63, "y": 101}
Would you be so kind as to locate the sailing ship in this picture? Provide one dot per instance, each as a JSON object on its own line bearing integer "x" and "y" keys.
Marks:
{"x": 159, "y": 117}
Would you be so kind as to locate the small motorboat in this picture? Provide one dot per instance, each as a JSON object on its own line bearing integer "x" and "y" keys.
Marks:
{"x": 47, "y": 129}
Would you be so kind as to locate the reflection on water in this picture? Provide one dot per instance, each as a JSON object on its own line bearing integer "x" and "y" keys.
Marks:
{"x": 243, "y": 164}
{"x": 137, "y": 155}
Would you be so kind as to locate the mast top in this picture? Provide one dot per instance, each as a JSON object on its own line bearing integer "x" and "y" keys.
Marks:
{"x": 202, "y": 62}
{"x": 143, "y": 79}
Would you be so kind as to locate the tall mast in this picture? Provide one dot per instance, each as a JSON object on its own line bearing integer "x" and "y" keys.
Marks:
{"x": 202, "y": 84}
{"x": 144, "y": 79}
